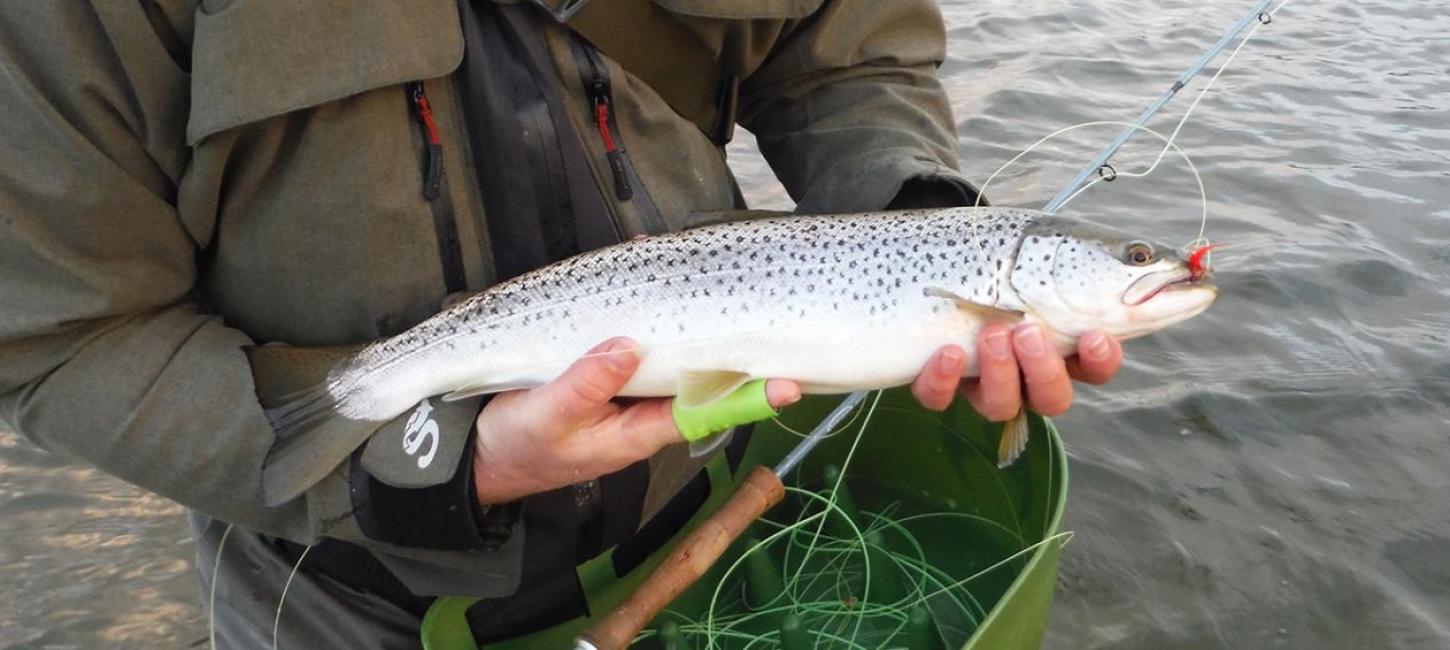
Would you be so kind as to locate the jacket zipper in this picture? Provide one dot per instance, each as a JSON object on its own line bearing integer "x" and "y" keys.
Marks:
{"x": 601, "y": 99}
{"x": 450, "y": 251}
{"x": 433, "y": 157}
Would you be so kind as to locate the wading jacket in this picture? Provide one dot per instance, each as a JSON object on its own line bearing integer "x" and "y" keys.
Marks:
{"x": 181, "y": 179}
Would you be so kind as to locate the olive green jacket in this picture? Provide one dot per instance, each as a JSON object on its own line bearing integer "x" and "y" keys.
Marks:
{"x": 179, "y": 180}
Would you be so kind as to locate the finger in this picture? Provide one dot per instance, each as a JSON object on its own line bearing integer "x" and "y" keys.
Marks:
{"x": 1049, "y": 390}
{"x": 577, "y": 395}
{"x": 782, "y": 392}
{"x": 636, "y": 433}
{"x": 937, "y": 383}
{"x": 997, "y": 393}
{"x": 1098, "y": 358}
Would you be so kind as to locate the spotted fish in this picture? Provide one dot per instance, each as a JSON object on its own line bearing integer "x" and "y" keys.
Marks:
{"x": 836, "y": 303}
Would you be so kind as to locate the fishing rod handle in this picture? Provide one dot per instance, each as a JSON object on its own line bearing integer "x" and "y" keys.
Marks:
{"x": 759, "y": 492}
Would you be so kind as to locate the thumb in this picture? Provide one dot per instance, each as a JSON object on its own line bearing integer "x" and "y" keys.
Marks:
{"x": 591, "y": 381}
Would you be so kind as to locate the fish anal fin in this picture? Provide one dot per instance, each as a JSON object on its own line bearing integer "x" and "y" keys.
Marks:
{"x": 465, "y": 392}
{"x": 1014, "y": 439}
{"x": 696, "y": 388}
{"x": 986, "y": 313}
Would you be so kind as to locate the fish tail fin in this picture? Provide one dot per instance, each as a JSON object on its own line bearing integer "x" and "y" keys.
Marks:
{"x": 307, "y": 410}
{"x": 1014, "y": 439}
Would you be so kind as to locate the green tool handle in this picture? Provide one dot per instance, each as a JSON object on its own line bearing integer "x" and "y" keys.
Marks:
{"x": 759, "y": 492}
{"x": 742, "y": 406}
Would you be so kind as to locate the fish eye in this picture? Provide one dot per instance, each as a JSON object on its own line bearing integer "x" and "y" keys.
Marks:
{"x": 1139, "y": 254}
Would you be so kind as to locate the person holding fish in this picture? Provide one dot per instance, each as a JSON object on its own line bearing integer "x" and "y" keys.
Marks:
{"x": 225, "y": 225}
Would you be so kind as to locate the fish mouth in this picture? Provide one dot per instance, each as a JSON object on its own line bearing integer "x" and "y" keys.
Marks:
{"x": 1153, "y": 284}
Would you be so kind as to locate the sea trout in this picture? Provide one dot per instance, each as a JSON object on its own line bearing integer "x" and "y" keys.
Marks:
{"x": 835, "y": 303}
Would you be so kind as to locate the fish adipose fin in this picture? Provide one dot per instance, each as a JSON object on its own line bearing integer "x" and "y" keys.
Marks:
{"x": 1014, "y": 439}
{"x": 696, "y": 388}
{"x": 986, "y": 313}
{"x": 312, "y": 437}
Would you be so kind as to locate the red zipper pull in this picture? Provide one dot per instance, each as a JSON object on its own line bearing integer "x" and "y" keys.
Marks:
{"x": 601, "y": 115}
{"x": 622, "y": 188}
{"x": 433, "y": 165}
{"x": 425, "y": 112}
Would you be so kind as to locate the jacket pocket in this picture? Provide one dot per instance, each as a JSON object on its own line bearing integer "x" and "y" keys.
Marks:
{"x": 256, "y": 59}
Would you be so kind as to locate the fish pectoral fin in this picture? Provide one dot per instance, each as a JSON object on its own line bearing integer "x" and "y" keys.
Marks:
{"x": 987, "y": 313}
{"x": 696, "y": 388}
{"x": 474, "y": 390}
{"x": 1014, "y": 439}
{"x": 708, "y": 445}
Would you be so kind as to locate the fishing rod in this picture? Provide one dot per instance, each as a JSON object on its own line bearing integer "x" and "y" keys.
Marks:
{"x": 762, "y": 489}
{"x": 1259, "y": 13}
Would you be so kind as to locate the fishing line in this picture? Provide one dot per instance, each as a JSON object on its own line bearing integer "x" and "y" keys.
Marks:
{"x": 1201, "y": 242}
{"x": 830, "y": 576}
{"x": 211, "y": 599}
{"x": 842, "y": 428}
{"x": 1108, "y": 173}
{"x": 850, "y": 454}
{"x": 1111, "y": 173}
{"x": 276, "y": 620}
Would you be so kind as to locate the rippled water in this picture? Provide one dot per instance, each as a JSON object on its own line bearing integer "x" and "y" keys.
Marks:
{"x": 1272, "y": 474}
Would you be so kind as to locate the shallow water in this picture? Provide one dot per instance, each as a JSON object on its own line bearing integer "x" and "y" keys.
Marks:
{"x": 1272, "y": 474}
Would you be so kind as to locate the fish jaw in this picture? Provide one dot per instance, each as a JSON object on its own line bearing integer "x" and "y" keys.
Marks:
{"x": 1169, "y": 306}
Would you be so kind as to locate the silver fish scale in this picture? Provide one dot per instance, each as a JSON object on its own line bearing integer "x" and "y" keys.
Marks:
{"x": 705, "y": 283}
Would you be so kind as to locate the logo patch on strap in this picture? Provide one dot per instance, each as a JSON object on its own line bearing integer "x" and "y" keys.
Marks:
{"x": 421, "y": 430}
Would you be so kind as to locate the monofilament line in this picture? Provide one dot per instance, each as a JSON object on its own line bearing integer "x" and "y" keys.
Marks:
{"x": 216, "y": 566}
{"x": 276, "y": 620}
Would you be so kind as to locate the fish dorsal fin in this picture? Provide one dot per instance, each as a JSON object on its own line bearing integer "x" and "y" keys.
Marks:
{"x": 696, "y": 388}
{"x": 986, "y": 313}
{"x": 474, "y": 390}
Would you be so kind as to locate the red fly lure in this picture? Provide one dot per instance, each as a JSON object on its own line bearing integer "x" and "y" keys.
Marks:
{"x": 1198, "y": 262}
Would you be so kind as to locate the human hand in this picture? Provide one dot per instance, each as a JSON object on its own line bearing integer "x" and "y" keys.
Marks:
{"x": 573, "y": 430}
{"x": 1010, "y": 360}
